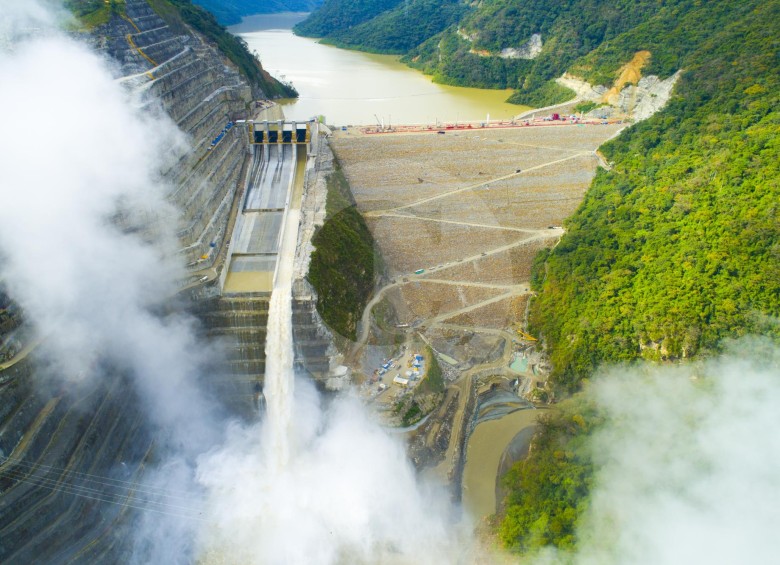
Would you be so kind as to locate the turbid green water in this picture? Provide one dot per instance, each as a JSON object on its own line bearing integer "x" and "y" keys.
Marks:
{"x": 520, "y": 364}
{"x": 353, "y": 88}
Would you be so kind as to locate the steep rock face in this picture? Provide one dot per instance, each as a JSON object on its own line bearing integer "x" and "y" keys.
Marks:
{"x": 639, "y": 101}
{"x": 71, "y": 461}
{"x": 202, "y": 93}
{"x": 72, "y": 456}
{"x": 528, "y": 50}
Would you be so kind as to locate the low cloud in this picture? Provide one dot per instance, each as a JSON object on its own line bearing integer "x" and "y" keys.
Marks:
{"x": 347, "y": 494}
{"x": 86, "y": 232}
{"x": 688, "y": 464}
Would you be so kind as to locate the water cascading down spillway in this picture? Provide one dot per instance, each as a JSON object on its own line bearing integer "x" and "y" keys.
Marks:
{"x": 279, "y": 352}
{"x": 279, "y": 376}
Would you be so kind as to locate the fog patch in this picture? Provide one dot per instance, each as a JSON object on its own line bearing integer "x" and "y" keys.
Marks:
{"x": 688, "y": 464}
{"x": 349, "y": 495}
{"x": 88, "y": 250}
{"x": 86, "y": 233}
{"x": 23, "y": 18}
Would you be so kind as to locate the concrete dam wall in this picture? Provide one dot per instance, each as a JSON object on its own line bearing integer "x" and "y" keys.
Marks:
{"x": 73, "y": 457}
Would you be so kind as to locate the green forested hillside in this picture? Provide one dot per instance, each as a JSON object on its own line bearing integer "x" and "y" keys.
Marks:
{"x": 548, "y": 491}
{"x": 335, "y": 16}
{"x": 672, "y": 34}
{"x": 678, "y": 246}
{"x": 402, "y": 28}
{"x": 568, "y": 30}
{"x": 674, "y": 249}
{"x": 230, "y": 12}
{"x": 460, "y": 42}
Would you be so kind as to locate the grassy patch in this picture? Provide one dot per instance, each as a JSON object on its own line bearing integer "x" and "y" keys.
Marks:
{"x": 546, "y": 94}
{"x": 433, "y": 381}
{"x": 412, "y": 415}
{"x": 586, "y": 107}
{"x": 94, "y": 13}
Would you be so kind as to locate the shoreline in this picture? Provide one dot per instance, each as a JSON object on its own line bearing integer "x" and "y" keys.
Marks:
{"x": 354, "y": 87}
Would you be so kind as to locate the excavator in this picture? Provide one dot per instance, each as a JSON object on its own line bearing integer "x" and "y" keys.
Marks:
{"x": 524, "y": 335}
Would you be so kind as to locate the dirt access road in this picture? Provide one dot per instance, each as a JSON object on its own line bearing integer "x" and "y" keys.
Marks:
{"x": 459, "y": 218}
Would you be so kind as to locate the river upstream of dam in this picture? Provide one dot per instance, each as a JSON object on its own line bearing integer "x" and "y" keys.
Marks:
{"x": 354, "y": 88}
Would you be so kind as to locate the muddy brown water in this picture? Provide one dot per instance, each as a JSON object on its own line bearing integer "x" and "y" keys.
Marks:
{"x": 486, "y": 446}
{"x": 354, "y": 88}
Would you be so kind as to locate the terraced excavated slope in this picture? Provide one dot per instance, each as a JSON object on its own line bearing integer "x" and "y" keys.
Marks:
{"x": 71, "y": 457}
{"x": 469, "y": 210}
{"x": 459, "y": 219}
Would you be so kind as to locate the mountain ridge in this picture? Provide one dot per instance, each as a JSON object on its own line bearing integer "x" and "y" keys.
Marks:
{"x": 229, "y": 12}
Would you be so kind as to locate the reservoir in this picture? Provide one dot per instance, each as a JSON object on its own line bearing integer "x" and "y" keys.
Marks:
{"x": 354, "y": 88}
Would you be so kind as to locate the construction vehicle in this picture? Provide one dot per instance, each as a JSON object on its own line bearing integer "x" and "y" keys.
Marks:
{"x": 525, "y": 335}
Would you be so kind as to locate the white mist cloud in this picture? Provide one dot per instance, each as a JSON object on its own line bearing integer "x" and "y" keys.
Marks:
{"x": 21, "y": 17}
{"x": 689, "y": 464}
{"x": 312, "y": 486}
{"x": 349, "y": 495}
{"x": 88, "y": 249}
{"x": 73, "y": 153}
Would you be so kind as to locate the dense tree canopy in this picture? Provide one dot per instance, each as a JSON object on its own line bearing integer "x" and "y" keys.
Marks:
{"x": 677, "y": 246}
{"x": 345, "y": 264}
{"x": 401, "y": 29}
{"x": 547, "y": 492}
{"x": 335, "y": 16}
{"x": 230, "y": 12}
{"x": 568, "y": 30}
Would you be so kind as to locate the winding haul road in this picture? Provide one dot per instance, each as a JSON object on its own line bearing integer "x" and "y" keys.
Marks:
{"x": 364, "y": 326}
